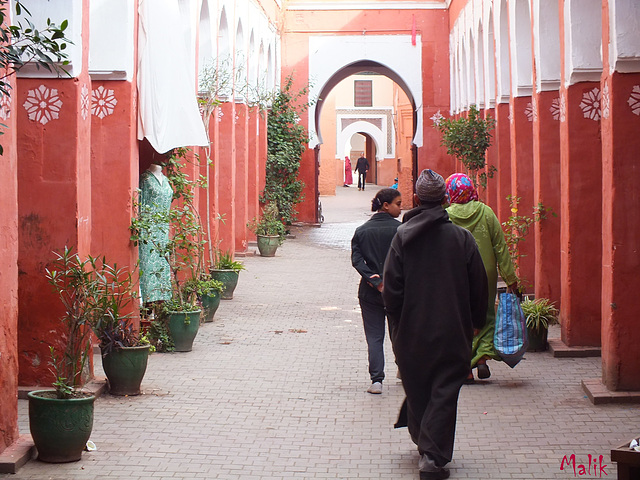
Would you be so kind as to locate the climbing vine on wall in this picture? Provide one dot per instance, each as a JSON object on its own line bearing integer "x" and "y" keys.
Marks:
{"x": 286, "y": 141}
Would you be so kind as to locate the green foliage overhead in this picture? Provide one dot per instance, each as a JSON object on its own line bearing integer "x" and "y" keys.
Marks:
{"x": 467, "y": 139}
{"x": 23, "y": 43}
{"x": 286, "y": 141}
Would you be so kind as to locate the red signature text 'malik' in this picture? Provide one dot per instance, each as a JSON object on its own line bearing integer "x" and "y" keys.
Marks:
{"x": 593, "y": 467}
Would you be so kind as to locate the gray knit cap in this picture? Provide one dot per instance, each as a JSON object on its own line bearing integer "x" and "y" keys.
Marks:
{"x": 430, "y": 186}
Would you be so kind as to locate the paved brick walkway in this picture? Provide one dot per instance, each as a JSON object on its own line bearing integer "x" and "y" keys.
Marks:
{"x": 275, "y": 389}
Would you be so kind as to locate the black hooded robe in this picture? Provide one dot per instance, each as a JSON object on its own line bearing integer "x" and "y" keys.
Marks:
{"x": 435, "y": 294}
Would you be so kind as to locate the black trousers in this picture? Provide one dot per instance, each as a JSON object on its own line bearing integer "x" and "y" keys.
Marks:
{"x": 361, "y": 179}
{"x": 373, "y": 318}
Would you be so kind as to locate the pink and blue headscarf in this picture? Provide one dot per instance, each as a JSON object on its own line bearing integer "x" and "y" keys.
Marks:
{"x": 460, "y": 189}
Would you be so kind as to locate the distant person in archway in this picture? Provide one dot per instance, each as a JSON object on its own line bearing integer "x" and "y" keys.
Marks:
{"x": 467, "y": 212}
{"x": 369, "y": 248}
{"x": 362, "y": 167}
{"x": 348, "y": 177}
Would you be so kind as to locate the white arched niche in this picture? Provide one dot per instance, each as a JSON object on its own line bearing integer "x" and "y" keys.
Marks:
{"x": 330, "y": 54}
{"x": 378, "y": 136}
{"x": 582, "y": 41}
{"x": 521, "y": 52}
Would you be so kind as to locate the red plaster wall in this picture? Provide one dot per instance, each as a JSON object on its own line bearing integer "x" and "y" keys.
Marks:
{"x": 621, "y": 231}
{"x": 581, "y": 226}
{"x": 253, "y": 166}
{"x": 432, "y": 25}
{"x": 522, "y": 184}
{"x": 226, "y": 176}
{"x": 242, "y": 181}
{"x": 9, "y": 282}
{"x": 490, "y": 194}
{"x": 502, "y": 178}
{"x": 546, "y": 174}
{"x": 54, "y": 200}
{"x": 114, "y": 176}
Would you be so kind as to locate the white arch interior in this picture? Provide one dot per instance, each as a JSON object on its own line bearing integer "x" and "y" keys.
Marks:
{"x": 582, "y": 41}
{"x": 240, "y": 65}
{"x": 378, "y": 136}
{"x": 491, "y": 64}
{"x": 270, "y": 71}
{"x": 624, "y": 32}
{"x": 502, "y": 54}
{"x": 465, "y": 78}
{"x": 480, "y": 93}
{"x": 471, "y": 80}
{"x": 521, "y": 54}
{"x": 328, "y": 55}
{"x": 546, "y": 38}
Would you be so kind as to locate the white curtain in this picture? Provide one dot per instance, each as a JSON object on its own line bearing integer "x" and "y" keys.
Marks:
{"x": 168, "y": 114}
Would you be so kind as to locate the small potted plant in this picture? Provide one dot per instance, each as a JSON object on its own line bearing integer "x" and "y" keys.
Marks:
{"x": 539, "y": 313}
{"x": 61, "y": 420}
{"x": 226, "y": 270}
{"x": 208, "y": 292}
{"x": 124, "y": 352}
{"x": 269, "y": 230}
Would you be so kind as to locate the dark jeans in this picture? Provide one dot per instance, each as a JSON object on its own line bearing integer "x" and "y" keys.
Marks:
{"x": 373, "y": 317}
{"x": 361, "y": 179}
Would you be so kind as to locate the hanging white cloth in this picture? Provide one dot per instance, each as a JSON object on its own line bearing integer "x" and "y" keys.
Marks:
{"x": 168, "y": 113}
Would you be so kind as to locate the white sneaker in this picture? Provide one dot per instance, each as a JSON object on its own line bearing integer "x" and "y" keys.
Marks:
{"x": 375, "y": 388}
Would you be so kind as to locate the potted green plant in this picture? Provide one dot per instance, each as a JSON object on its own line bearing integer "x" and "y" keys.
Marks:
{"x": 208, "y": 292}
{"x": 226, "y": 270}
{"x": 539, "y": 313}
{"x": 269, "y": 230}
{"x": 61, "y": 420}
{"x": 124, "y": 351}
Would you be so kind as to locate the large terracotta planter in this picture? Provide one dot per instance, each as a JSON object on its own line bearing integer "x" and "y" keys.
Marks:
{"x": 183, "y": 327}
{"x": 125, "y": 367}
{"x": 210, "y": 304}
{"x": 60, "y": 428}
{"x": 229, "y": 279}
{"x": 268, "y": 244}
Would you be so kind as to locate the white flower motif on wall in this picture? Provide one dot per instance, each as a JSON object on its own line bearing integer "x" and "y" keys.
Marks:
{"x": 235, "y": 121}
{"x": 103, "y": 102}
{"x": 5, "y": 107}
{"x": 437, "y": 118}
{"x": 634, "y": 100}
{"x": 590, "y": 104}
{"x": 555, "y": 108}
{"x": 530, "y": 112}
{"x": 606, "y": 101}
{"x": 43, "y": 104}
{"x": 220, "y": 115}
{"x": 84, "y": 102}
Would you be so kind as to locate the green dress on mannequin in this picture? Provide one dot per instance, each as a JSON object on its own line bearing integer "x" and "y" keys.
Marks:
{"x": 156, "y": 195}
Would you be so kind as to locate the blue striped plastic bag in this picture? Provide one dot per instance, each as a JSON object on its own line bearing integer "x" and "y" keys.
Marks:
{"x": 510, "y": 336}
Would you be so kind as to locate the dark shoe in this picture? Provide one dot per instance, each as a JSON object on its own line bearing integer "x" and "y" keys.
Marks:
{"x": 469, "y": 380}
{"x": 483, "y": 371}
{"x": 439, "y": 474}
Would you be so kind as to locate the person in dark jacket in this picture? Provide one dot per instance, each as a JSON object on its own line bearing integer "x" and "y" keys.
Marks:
{"x": 369, "y": 248}
{"x": 435, "y": 295}
{"x": 362, "y": 167}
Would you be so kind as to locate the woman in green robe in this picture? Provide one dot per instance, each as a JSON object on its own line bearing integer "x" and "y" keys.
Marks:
{"x": 467, "y": 211}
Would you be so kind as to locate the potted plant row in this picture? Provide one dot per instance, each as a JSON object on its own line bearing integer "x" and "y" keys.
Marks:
{"x": 208, "y": 293}
{"x": 269, "y": 230}
{"x": 95, "y": 297}
{"x": 227, "y": 271}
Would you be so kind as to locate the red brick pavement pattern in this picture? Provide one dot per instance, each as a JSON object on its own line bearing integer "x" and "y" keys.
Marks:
{"x": 275, "y": 389}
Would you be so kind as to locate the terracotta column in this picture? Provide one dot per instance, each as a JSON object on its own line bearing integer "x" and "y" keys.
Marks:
{"x": 9, "y": 276}
{"x": 491, "y": 193}
{"x": 54, "y": 200}
{"x": 241, "y": 166}
{"x": 226, "y": 176}
{"x": 114, "y": 169}
{"x": 522, "y": 181}
{"x": 253, "y": 173}
{"x": 580, "y": 213}
{"x": 502, "y": 178}
{"x": 620, "y": 217}
{"x": 546, "y": 191}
